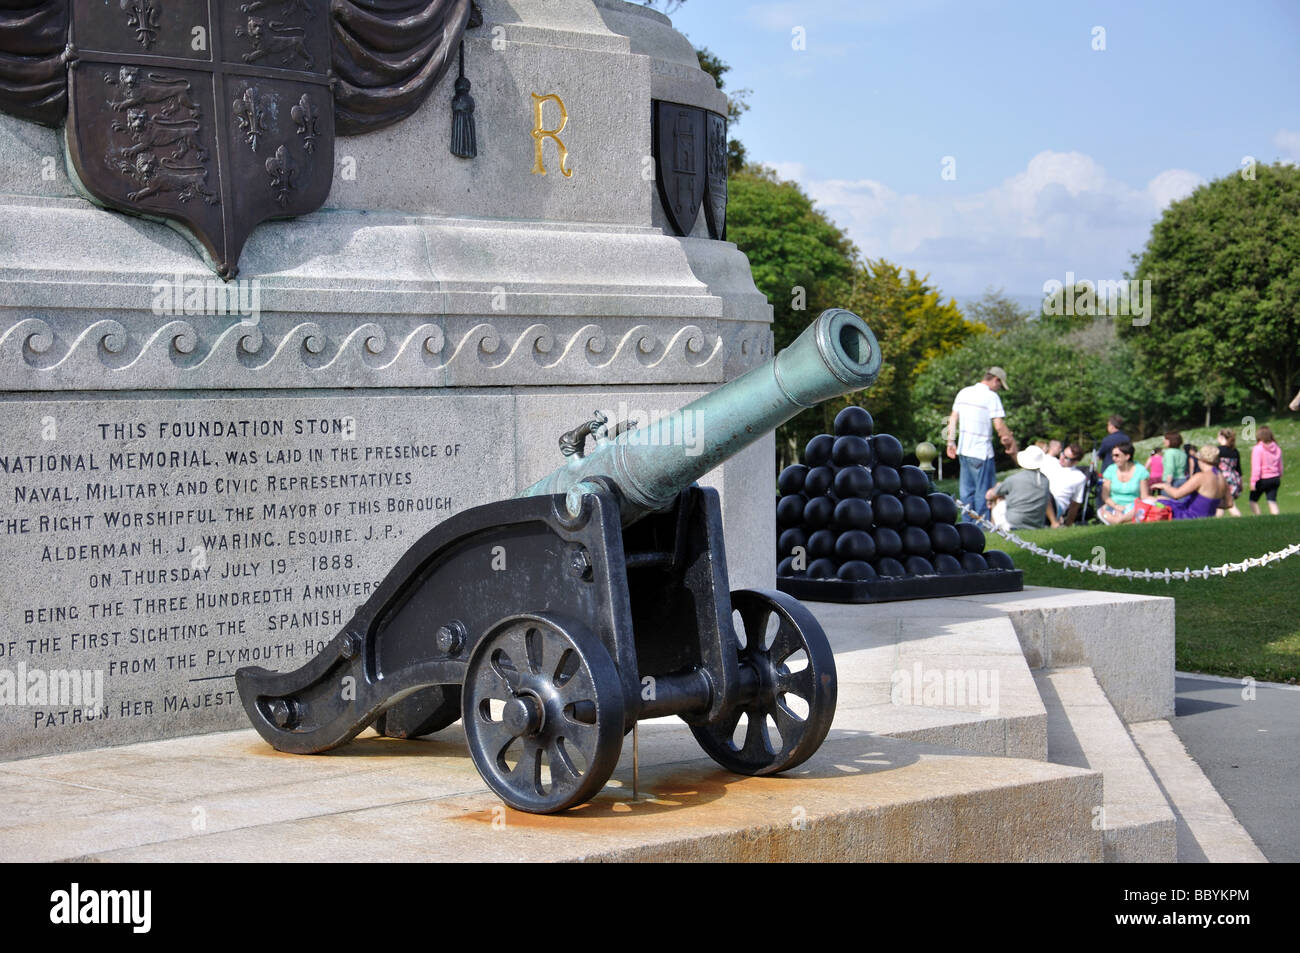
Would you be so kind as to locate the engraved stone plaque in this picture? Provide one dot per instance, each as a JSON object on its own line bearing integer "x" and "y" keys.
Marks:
{"x": 154, "y": 546}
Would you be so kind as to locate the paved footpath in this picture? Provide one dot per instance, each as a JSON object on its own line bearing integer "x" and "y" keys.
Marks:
{"x": 1250, "y": 751}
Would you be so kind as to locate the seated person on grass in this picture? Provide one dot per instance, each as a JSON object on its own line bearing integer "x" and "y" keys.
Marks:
{"x": 1024, "y": 499}
{"x": 1202, "y": 493}
{"x": 1068, "y": 483}
{"x": 1121, "y": 484}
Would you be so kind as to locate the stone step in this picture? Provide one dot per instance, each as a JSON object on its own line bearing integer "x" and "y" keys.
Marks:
{"x": 228, "y": 797}
{"x": 1083, "y": 730}
{"x": 1127, "y": 640}
{"x": 938, "y": 671}
{"x": 1207, "y": 829}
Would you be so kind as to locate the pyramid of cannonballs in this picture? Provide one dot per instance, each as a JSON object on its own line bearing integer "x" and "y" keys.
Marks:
{"x": 851, "y": 511}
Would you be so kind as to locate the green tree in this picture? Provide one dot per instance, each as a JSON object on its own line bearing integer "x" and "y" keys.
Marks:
{"x": 997, "y": 312}
{"x": 1224, "y": 266}
{"x": 801, "y": 260}
{"x": 913, "y": 325}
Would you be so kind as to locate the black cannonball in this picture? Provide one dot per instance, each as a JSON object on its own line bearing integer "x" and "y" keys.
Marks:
{"x": 853, "y": 514}
{"x": 789, "y": 539}
{"x": 853, "y": 421}
{"x": 914, "y": 480}
{"x": 852, "y": 450}
{"x": 997, "y": 559}
{"x": 791, "y": 479}
{"x": 789, "y": 510}
{"x": 854, "y": 481}
{"x": 886, "y": 478}
{"x": 818, "y": 451}
{"x": 972, "y": 537}
{"x": 916, "y": 541}
{"x": 822, "y": 569}
{"x": 944, "y": 538}
{"x": 889, "y": 567}
{"x": 973, "y": 562}
{"x": 887, "y": 450}
{"x": 855, "y": 570}
{"x": 817, "y": 512}
{"x": 821, "y": 544}
{"x": 786, "y": 567}
{"x": 888, "y": 510}
{"x": 856, "y": 544}
{"x": 818, "y": 481}
{"x": 888, "y": 542}
{"x": 916, "y": 510}
{"x": 918, "y": 566}
{"x": 943, "y": 509}
{"x": 947, "y": 565}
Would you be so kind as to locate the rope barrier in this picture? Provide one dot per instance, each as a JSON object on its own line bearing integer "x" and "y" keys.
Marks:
{"x": 1101, "y": 569}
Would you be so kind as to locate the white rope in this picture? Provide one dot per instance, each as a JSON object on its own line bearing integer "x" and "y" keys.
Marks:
{"x": 1166, "y": 574}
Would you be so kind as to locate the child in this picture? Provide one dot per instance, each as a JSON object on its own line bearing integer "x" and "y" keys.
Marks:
{"x": 1173, "y": 459}
{"x": 1265, "y": 470}
{"x": 1156, "y": 466}
{"x": 1230, "y": 469}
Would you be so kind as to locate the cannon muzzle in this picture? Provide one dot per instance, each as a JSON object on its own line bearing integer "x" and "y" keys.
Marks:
{"x": 649, "y": 465}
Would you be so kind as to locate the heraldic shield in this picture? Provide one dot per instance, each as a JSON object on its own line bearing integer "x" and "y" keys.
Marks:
{"x": 210, "y": 115}
{"x": 690, "y": 149}
{"x": 679, "y": 147}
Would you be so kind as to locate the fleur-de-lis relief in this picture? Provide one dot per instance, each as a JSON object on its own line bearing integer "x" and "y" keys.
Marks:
{"x": 304, "y": 114}
{"x": 282, "y": 170}
{"x": 251, "y": 116}
{"x": 142, "y": 16}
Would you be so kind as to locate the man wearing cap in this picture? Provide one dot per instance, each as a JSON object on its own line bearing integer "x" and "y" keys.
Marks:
{"x": 1024, "y": 499}
{"x": 978, "y": 410}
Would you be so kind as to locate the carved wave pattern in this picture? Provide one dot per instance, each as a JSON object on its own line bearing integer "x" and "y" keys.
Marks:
{"x": 31, "y": 351}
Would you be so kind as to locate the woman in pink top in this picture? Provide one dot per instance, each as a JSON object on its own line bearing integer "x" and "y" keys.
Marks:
{"x": 1265, "y": 471}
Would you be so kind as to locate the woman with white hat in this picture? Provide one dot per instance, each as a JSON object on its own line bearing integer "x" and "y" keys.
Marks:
{"x": 1024, "y": 499}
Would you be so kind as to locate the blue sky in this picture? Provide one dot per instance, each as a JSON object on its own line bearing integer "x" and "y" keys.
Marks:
{"x": 1063, "y": 154}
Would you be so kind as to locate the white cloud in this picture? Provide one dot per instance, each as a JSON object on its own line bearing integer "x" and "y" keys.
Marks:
{"x": 1172, "y": 185}
{"x": 1062, "y": 212}
{"x": 1289, "y": 144}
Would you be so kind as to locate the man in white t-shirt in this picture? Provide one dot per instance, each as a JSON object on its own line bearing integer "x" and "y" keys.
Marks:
{"x": 978, "y": 410}
{"x": 1068, "y": 483}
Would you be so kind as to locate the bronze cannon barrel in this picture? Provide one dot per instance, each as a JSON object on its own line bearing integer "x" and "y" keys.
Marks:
{"x": 837, "y": 354}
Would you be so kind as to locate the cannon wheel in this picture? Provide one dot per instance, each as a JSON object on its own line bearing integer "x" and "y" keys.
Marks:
{"x": 543, "y": 712}
{"x": 772, "y": 655}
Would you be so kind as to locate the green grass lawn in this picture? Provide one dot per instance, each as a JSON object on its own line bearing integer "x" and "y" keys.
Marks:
{"x": 1244, "y": 624}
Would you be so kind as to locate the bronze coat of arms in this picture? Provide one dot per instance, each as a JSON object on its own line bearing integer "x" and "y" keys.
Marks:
{"x": 217, "y": 115}
{"x": 690, "y": 152}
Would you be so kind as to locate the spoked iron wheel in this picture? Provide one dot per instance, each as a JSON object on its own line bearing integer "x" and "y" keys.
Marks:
{"x": 790, "y": 713}
{"x": 543, "y": 712}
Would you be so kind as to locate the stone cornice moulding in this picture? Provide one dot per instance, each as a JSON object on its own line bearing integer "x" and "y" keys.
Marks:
{"x": 106, "y": 355}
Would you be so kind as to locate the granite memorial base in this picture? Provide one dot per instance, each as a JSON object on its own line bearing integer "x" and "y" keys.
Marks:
{"x": 198, "y": 475}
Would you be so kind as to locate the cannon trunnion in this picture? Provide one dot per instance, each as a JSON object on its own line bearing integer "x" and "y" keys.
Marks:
{"x": 551, "y": 623}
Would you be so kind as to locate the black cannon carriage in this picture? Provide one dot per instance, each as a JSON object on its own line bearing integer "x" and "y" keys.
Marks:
{"x": 551, "y": 623}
